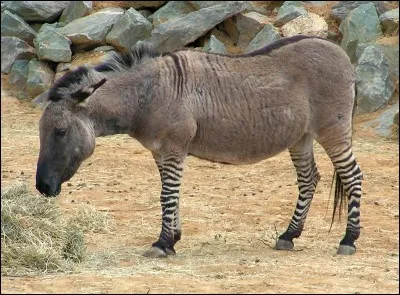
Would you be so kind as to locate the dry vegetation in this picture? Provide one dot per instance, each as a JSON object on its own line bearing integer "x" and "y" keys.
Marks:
{"x": 36, "y": 237}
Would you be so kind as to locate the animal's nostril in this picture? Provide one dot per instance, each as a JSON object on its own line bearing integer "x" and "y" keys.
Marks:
{"x": 42, "y": 187}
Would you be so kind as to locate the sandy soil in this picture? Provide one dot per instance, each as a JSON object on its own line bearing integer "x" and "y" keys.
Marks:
{"x": 230, "y": 217}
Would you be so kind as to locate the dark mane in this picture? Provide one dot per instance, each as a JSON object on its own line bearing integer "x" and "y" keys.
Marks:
{"x": 85, "y": 76}
{"x": 76, "y": 76}
{"x": 128, "y": 60}
{"x": 267, "y": 49}
{"x": 278, "y": 44}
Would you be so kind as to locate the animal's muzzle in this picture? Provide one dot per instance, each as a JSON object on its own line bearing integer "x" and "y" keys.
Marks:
{"x": 49, "y": 189}
{"x": 48, "y": 186}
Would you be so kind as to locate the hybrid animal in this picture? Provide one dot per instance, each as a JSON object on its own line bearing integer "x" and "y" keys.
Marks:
{"x": 236, "y": 109}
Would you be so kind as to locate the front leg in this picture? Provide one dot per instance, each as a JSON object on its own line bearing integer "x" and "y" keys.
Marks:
{"x": 171, "y": 168}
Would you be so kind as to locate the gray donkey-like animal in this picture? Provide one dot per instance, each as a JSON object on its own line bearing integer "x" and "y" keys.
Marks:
{"x": 220, "y": 107}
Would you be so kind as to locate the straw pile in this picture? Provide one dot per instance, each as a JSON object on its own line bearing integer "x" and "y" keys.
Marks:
{"x": 36, "y": 237}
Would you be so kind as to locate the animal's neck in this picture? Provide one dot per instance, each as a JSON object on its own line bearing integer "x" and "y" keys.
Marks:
{"x": 111, "y": 114}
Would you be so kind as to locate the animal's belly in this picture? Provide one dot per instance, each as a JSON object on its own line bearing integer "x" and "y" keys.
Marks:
{"x": 241, "y": 145}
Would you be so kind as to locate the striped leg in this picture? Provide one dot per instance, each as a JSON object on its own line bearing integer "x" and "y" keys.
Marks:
{"x": 171, "y": 168}
{"x": 307, "y": 177}
{"x": 350, "y": 179}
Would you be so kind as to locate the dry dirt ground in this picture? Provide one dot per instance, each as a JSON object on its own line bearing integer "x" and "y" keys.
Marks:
{"x": 230, "y": 217}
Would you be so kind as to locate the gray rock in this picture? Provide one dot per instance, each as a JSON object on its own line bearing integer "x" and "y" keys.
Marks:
{"x": 103, "y": 48}
{"x": 132, "y": 27}
{"x": 214, "y": 46}
{"x": 315, "y": 3}
{"x": 206, "y": 4}
{"x": 92, "y": 29}
{"x": 361, "y": 25}
{"x": 3, "y": 6}
{"x": 391, "y": 52}
{"x": 51, "y": 45}
{"x": 36, "y": 26}
{"x": 18, "y": 77}
{"x": 53, "y": 26}
{"x": 374, "y": 85}
{"x": 383, "y": 124}
{"x": 177, "y": 33}
{"x": 37, "y": 11}
{"x": 171, "y": 10}
{"x": 266, "y": 36}
{"x": 13, "y": 25}
{"x": 390, "y": 21}
{"x": 342, "y": 8}
{"x": 243, "y": 27}
{"x": 74, "y": 10}
{"x": 252, "y": 7}
{"x": 63, "y": 66}
{"x": 144, "y": 4}
{"x": 12, "y": 49}
{"x": 146, "y": 13}
{"x": 40, "y": 77}
{"x": 289, "y": 11}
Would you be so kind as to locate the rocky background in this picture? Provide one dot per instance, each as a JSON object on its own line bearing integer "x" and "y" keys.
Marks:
{"x": 42, "y": 40}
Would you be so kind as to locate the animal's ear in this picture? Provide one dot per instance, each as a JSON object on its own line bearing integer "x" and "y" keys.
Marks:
{"x": 82, "y": 94}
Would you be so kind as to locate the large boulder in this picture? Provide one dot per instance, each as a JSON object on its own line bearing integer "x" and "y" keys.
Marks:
{"x": 311, "y": 25}
{"x": 18, "y": 77}
{"x": 390, "y": 50}
{"x": 171, "y": 10}
{"x": 266, "y": 36}
{"x": 374, "y": 84}
{"x": 132, "y": 27}
{"x": 383, "y": 124}
{"x": 243, "y": 27}
{"x": 40, "y": 77}
{"x": 360, "y": 26}
{"x": 289, "y": 11}
{"x": 92, "y": 29}
{"x": 37, "y": 11}
{"x": 214, "y": 46}
{"x": 51, "y": 45}
{"x": 390, "y": 21}
{"x": 144, "y": 4}
{"x": 342, "y": 8}
{"x": 13, "y": 25}
{"x": 12, "y": 49}
{"x": 74, "y": 10}
{"x": 177, "y": 33}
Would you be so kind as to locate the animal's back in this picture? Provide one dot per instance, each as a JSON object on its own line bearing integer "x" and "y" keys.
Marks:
{"x": 250, "y": 108}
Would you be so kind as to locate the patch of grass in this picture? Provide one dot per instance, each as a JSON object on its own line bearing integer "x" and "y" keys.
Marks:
{"x": 36, "y": 237}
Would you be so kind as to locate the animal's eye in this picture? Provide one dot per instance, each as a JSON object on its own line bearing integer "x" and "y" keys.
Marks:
{"x": 60, "y": 132}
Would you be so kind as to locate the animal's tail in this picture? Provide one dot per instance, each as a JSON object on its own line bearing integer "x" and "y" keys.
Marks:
{"x": 340, "y": 200}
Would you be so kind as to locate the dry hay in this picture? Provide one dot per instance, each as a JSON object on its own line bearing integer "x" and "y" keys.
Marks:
{"x": 36, "y": 237}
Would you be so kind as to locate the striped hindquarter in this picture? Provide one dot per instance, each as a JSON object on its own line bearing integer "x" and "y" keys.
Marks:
{"x": 350, "y": 180}
{"x": 308, "y": 176}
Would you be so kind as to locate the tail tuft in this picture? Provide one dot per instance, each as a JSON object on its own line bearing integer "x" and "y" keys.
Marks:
{"x": 340, "y": 200}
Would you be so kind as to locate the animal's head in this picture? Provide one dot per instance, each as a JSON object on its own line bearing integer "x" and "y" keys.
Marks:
{"x": 67, "y": 135}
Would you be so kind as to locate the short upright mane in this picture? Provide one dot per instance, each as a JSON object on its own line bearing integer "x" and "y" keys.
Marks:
{"x": 85, "y": 76}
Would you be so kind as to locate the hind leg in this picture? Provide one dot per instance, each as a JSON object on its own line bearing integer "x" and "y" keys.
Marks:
{"x": 350, "y": 175}
{"x": 307, "y": 177}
